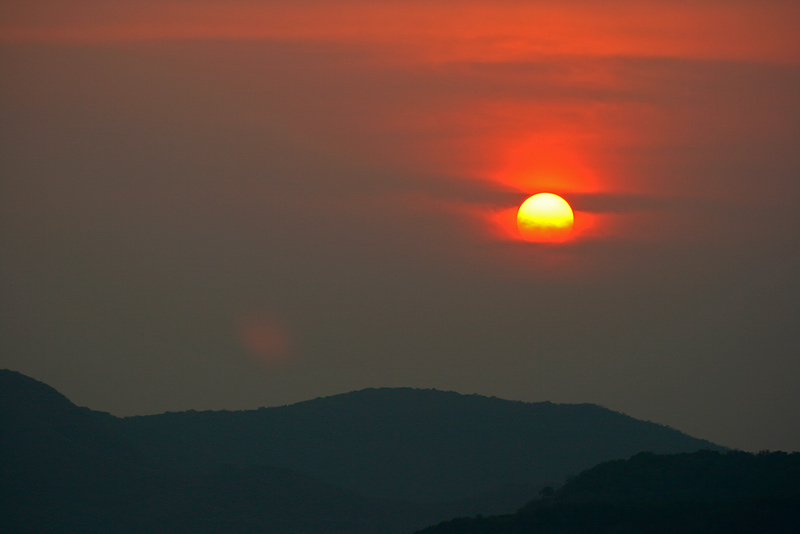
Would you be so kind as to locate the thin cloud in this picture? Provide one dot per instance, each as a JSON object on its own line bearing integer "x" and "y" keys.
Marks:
{"x": 435, "y": 31}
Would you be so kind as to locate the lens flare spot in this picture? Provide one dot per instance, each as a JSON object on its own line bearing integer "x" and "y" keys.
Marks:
{"x": 545, "y": 218}
{"x": 266, "y": 339}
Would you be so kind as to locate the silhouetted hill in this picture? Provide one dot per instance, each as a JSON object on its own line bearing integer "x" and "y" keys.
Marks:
{"x": 69, "y": 469}
{"x": 703, "y": 492}
{"x": 699, "y": 476}
{"x": 42, "y": 429}
{"x": 409, "y": 444}
{"x": 57, "y": 461}
{"x": 299, "y": 468}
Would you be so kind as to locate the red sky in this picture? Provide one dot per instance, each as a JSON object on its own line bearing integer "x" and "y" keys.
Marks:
{"x": 204, "y": 201}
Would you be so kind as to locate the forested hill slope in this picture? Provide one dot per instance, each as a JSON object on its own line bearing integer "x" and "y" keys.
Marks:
{"x": 704, "y": 492}
{"x": 699, "y": 476}
{"x": 411, "y": 444}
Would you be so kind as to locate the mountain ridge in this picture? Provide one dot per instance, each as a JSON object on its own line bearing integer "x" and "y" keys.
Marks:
{"x": 394, "y": 459}
{"x": 412, "y": 444}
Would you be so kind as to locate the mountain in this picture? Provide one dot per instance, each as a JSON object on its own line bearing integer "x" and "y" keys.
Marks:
{"x": 703, "y": 492}
{"x": 699, "y": 476}
{"x": 363, "y": 462}
{"x": 43, "y": 433}
{"x": 58, "y": 462}
{"x": 409, "y": 444}
{"x": 70, "y": 469}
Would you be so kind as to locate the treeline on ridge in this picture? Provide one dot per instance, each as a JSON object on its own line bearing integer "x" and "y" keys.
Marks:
{"x": 703, "y": 492}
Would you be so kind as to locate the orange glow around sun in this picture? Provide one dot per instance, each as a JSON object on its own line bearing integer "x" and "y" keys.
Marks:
{"x": 525, "y": 96}
{"x": 545, "y": 218}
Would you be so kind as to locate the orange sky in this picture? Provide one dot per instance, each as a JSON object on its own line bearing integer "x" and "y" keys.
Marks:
{"x": 509, "y": 134}
{"x": 348, "y": 174}
{"x": 438, "y": 31}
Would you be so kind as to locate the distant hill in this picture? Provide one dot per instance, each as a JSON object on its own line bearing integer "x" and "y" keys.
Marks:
{"x": 705, "y": 492}
{"x": 361, "y": 462}
{"x": 409, "y": 444}
{"x": 70, "y": 469}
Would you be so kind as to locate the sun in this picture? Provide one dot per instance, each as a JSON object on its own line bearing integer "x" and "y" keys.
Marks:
{"x": 545, "y": 218}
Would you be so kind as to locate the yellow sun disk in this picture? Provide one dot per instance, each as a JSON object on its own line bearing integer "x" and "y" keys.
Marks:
{"x": 545, "y": 217}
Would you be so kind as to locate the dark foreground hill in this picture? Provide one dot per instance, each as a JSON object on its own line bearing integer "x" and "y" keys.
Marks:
{"x": 342, "y": 464}
{"x": 704, "y": 492}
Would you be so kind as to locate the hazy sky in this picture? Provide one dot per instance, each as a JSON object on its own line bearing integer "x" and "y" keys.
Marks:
{"x": 233, "y": 204}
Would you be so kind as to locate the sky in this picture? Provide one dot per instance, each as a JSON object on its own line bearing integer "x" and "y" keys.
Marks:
{"x": 234, "y": 204}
